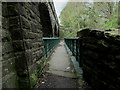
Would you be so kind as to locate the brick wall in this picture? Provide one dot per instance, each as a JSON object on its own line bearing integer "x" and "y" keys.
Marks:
{"x": 100, "y": 59}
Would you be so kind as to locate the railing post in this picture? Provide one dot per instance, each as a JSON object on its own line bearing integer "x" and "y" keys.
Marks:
{"x": 77, "y": 49}
{"x": 49, "y": 44}
{"x": 80, "y": 50}
{"x": 74, "y": 46}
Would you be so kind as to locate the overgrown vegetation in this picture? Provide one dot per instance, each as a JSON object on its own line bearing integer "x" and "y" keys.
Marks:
{"x": 78, "y": 15}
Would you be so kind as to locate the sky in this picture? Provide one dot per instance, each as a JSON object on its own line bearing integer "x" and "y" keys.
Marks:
{"x": 59, "y": 5}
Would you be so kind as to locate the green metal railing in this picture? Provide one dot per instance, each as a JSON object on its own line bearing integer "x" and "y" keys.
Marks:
{"x": 74, "y": 46}
{"x": 49, "y": 45}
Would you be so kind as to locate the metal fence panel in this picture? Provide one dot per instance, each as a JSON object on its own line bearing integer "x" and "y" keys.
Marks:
{"x": 74, "y": 46}
{"x": 49, "y": 45}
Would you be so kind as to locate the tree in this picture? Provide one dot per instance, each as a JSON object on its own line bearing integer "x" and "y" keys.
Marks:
{"x": 77, "y": 15}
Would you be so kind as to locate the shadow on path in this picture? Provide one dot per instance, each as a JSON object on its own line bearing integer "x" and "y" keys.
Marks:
{"x": 60, "y": 73}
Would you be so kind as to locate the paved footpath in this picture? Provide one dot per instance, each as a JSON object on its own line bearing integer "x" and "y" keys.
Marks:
{"x": 60, "y": 73}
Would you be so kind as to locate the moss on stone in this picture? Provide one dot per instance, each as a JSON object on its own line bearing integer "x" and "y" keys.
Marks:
{"x": 33, "y": 79}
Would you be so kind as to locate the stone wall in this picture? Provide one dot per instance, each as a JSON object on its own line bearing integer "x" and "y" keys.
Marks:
{"x": 100, "y": 59}
{"x": 0, "y": 45}
{"x": 49, "y": 19}
{"x": 8, "y": 58}
{"x": 22, "y": 43}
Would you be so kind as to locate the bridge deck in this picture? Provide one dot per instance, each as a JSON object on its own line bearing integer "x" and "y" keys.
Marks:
{"x": 61, "y": 72}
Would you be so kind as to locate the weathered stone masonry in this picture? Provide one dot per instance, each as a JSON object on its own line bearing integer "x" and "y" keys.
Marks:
{"x": 22, "y": 44}
{"x": 100, "y": 59}
{"x": 50, "y": 24}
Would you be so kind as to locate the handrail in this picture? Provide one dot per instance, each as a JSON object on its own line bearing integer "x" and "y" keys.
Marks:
{"x": 73, "y": 44}
{"x": 49, "y": 45}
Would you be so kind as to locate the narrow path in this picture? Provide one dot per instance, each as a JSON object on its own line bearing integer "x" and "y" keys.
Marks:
{"x": 61, "y": 72}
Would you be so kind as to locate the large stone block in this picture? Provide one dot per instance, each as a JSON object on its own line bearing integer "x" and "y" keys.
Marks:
{"x": 14, "y": 22}
{"x": 97, "y": 34}
{"x": 26, "y": 33}
{"x": 37, "y": 45}
{"x": 36, "y": 28}
{"x": 90, "y": 40}
{"x": 24, "y": 23}
{"x": 113, "y": 39}
{"x": 32, "y": 35}
{"x": 5, "y": 23}
{"x": 18, "y": 45}
{"x": 84, "y": 32}
{"x": 16, "y": 34}
{"x": 114, "y": 49}
{"x": 7, "y": 48}
{"x": 4, "y": 9}
{"x": 22, "y": 10}
{"x": 29, "y": 56}
{"x": 38, "y": 54}
{"x": 91, "y": 54}
{"x": 10, "y": 81}
{"x": 21, "y": 64}
{"x": 8, "y": 66}
{"x": 28, "y": 44}
{"x": 13, "y": 9}
{"x": 90, "y": 46}
{"x": 6, "y": 37}
{"x": 103, "y": 43}
{"x": 24, "y": 82}
{"x": 7, "y": 56}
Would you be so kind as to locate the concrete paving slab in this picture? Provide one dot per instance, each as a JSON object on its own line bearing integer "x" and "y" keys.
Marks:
{"x": 60, "y": 62}
{"x": 60, "y": 72}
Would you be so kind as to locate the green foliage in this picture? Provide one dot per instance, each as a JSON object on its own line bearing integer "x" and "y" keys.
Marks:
{"x": 112, "y": 23}
{"x": 39, "y": 71}
{"x": 77, "y": 15}
{"x": 33, "y": 79}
